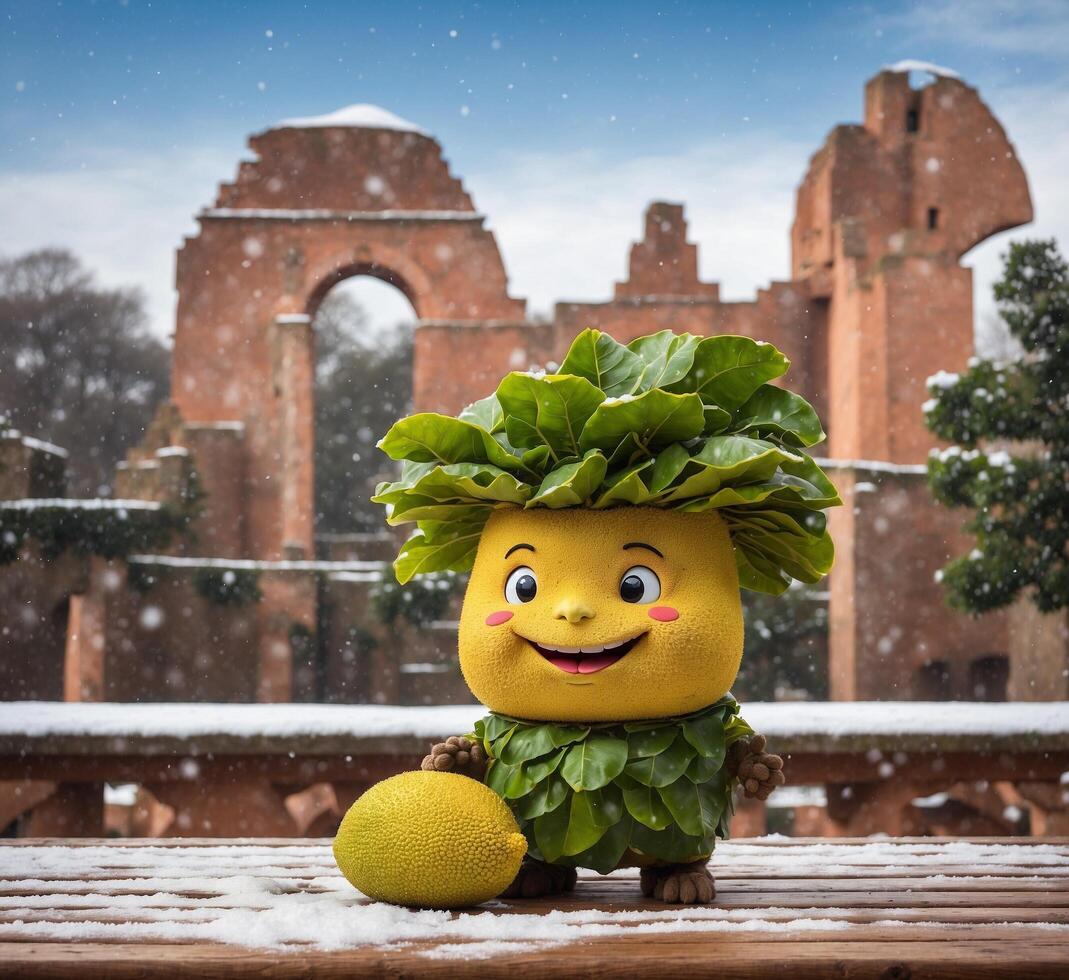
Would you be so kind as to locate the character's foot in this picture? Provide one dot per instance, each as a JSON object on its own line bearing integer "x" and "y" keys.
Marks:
{"x": 536, "y": 878}
{"x": 457, "y": 754}
{"x": 688, "y": 884}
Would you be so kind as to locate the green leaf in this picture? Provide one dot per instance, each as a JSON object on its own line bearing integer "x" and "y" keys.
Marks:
{"x": 655, "y": 418}
{"x": 604, "y": 362}
{"x": 438, "y": 546}
{"x": 464, "y": 482}
{"x": 519, "y": 783}
{"x": 527, "y": 743}
{"x": 732, "y": 497}
{"x": 670, "y": 844}
{"x": 498, "y": 725}
{"x": 499, "y": 775}
{"x": 571, "y": 485}
{"x": 667, "y": 466}
{"x": 727, "y": 459}
{"x": 695, "y": 808}
{"x": 550, "y": 831}
{"x": 594, "y": 762}
{"x": 653, "y": 741}
{"x": 727, "y": 370}
{"x": 737, "y": 728}
{"x": 757, "y": 573}
{"x": 811, "y": 482}
{"x": 644, "y": 803}
{"x": 607, "y": 805}
{"x": 584, "y": 827}
{"x": 540, "y": 769}
{"x": 545, "y": 797}
{"x": 627, "y": 487}
{"x": 667, "y": 357}
{"x": 537, "y": 459}
{"x": 706, "y": 734}
{"x": 701, "y": 770}
{"x": 605, "y": 855}
{"x": 414, "y": 507}
{"x": 548, "y": 411}
{"x": 432, "y": 438}
{"x": 485, "y": 413}
{"x": 566, "y": 734}
{"x": 772, "y": 411}
{"x": 666, "y": 767}
{"x": 716, "y": 419}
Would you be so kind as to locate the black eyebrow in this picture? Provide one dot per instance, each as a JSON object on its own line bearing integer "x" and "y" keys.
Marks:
{"x": 639, "y": 544}
{"x": 517, "y": 547}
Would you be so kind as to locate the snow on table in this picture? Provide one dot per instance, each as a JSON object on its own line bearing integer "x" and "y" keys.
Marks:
{"x": 921, "y": 901}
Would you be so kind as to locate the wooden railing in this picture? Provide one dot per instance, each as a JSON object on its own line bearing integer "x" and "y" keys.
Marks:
{"x": 213, "y": 770}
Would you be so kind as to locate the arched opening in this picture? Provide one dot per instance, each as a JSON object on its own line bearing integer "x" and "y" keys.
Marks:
{"x": 362, "y": 332}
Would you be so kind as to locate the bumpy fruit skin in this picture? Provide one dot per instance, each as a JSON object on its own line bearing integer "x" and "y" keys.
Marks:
{"x": 578, "y": 559}
{"x": 429, "y": 840}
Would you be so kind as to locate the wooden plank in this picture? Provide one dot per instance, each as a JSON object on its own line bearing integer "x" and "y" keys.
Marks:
{"x": 681, "y": 959}
{"x": 970, "y": 915}
{"x": 961, "y": 918}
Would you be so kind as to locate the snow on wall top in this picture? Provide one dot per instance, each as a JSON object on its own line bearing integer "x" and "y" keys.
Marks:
{"x": 78, "y": 503}
{"x": 912, "y": 64}
{"x": 835, "y": 720}
{"x": 360, "y": 116}
{"x": 31, "y": 443}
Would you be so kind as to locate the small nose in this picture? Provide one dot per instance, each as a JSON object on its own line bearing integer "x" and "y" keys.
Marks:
{"x": 573, "y": 610}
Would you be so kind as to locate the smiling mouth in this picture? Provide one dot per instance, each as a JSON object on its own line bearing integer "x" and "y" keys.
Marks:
{"x": 585, "y": 660}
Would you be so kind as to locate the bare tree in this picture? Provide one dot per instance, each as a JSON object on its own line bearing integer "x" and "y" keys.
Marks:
{"x": 363, "y": 385}
{"x": 77, "y": 363}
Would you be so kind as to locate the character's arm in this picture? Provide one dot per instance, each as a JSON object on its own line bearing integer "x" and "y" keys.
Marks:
{"x": 459, "y": 754}
{"x": 760, "y": 772}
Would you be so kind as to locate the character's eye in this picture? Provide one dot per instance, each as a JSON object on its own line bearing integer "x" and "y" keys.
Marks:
{"x": 640, "y": 584}
{"x": 521, "y": 585}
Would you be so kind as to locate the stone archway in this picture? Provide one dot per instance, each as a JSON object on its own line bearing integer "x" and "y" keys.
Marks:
{"x": 358, "y": 192}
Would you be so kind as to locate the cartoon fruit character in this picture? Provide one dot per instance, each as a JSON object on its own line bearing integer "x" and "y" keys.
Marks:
{"x": 608, "y": 513}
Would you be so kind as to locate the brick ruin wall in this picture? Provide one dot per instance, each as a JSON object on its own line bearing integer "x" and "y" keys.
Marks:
{"x": 877, "y": 301}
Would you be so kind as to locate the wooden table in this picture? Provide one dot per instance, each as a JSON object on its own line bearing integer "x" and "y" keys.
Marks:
{"x": 228, "y": 769}
{"x": 895, "y": 908}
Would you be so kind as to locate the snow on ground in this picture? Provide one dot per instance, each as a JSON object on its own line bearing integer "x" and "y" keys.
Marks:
{"x": 362, "y": 115}
{"x": 291, "y": 897}
{"x": 781, "y": 719}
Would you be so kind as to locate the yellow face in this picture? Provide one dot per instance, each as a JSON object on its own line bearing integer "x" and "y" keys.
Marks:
{"x": 611, "y": 615}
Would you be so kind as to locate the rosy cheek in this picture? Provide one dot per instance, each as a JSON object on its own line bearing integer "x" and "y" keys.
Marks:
{"x": 664, "y": 614}
{"x": 497, "y": 618}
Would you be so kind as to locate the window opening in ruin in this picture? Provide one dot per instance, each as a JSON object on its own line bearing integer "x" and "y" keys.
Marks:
{"x": 933, "y": 681}
{"x": 933, "y": 219}
{"x": 363, "y": 331}
{"x": 989, "y": 678}
{"x": 913, "y": 121}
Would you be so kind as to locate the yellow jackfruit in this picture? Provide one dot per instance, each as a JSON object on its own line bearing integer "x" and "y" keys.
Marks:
{"x": 429, "y": 840}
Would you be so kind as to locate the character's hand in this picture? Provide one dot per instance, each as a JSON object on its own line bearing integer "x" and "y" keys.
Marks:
{"x": 457, "y": 754}
{"x": 759, "y": 771}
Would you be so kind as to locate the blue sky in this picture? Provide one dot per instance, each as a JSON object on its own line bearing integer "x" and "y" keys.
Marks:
{"x": 117, "y": 119}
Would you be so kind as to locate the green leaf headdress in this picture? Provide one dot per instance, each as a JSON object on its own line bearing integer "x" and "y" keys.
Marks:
{"x": 670, "y": 420}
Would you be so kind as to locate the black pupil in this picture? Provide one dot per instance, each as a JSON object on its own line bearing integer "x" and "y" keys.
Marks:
{"x": 631, "y": 588}
{"x": 526, "y": 587}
